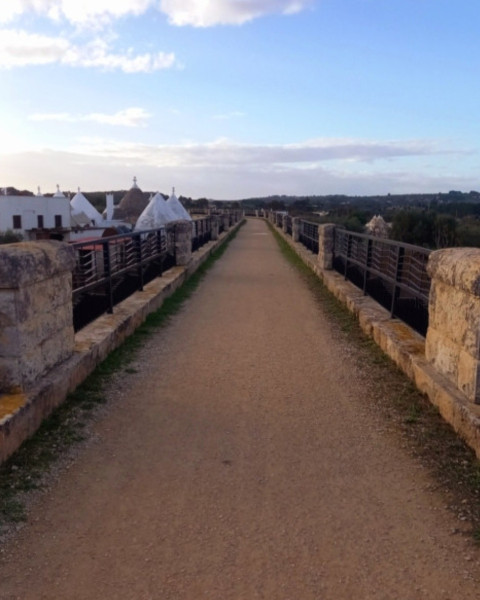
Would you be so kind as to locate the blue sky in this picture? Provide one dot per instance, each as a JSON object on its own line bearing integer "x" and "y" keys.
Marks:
{"x": 236, "y": 98}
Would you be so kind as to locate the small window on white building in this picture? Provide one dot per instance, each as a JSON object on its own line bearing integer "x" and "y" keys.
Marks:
{"x": 58, "y": 220}
{"x": 17, "y": 221}
{"x": 40, "y": 221}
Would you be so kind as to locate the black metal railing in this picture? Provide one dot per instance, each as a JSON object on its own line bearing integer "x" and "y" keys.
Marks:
{"x": 201, "y": 232}
{"x": 392, "y": 273}
{"x": 289, "y": 225}
{"x": 308, "y": 235}
{"x": 110, "y": 269}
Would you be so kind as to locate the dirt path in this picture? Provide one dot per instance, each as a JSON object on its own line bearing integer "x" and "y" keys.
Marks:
{"x": 241, "y": 462}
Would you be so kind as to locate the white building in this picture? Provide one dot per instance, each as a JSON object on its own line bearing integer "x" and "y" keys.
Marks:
{"x": 36, "y": 217}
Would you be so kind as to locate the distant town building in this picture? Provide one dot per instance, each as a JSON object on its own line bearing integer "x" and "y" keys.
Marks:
{"x": 56, "y": 217}
{"x": 36, "y": 217}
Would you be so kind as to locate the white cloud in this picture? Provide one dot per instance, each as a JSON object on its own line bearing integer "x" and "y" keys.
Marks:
{"x": 129, "y": 117}
{"x": 20, "y": 48}
{"x": 226, "y": 12}
{"x": 199, "y": 13}
{"x": 91, "y": 13}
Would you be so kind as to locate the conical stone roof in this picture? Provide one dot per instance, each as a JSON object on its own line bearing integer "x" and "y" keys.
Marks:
{"x": 177, "y": 208}
{"x": 80, "y": 204}
{"x": 132, "y": 204}
{"x": 156, "y": 214}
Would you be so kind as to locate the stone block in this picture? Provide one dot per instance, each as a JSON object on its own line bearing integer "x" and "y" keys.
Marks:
{"x": 48, "y": 323}
{"x": 442, "y": 353}
{"x": 295, "y": 229}
{"x": 183, "y": 242}
{"x": 326, "y": 235}
{"x": 456, "y": 313}
{"x": 468, "y": 376}
{"x": 8, "y": 314}
{"x": 36, "y": 330}
{"x": 10, "y": 375}
{"x": 458, "y": 267}
{"x": 453, "y": 336}
{"x": 9, "y": 342}
{"x": 28, "y": 262}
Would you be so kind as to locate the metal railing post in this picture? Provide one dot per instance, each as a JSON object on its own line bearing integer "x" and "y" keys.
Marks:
{"x": 347, "y": 253}
{"x": 368, "y": 262}
{"x": 138, "y": 244}
{"x": 108, "y": 275}
{"x": 398, "y": 273}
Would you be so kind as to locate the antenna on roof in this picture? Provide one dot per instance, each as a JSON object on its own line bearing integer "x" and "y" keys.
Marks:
{"x": 39, "y": 193}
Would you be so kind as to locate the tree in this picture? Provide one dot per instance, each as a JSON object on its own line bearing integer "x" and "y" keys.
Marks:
{"x": 445, "y": 231}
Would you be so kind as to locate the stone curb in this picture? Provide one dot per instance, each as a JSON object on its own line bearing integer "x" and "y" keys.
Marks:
{"x": 404, "y": 346}
{"x": 22, "y": 414}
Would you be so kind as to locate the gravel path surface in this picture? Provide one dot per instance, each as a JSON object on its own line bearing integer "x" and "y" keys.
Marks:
{"x": 240, "y": 462}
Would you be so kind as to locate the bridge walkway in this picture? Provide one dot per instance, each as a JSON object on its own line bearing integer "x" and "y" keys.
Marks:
{"x": 241, "y": 461}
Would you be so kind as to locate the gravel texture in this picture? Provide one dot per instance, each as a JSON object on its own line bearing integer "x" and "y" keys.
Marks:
{"x": 241, "y": 461}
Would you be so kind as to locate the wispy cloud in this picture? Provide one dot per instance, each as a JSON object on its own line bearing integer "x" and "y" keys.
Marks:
{"x": 90, "y": 13}
{"x": 19, "y": 48}
{"x": 219, "y": 180}
{"x": 99, "y": 13}
{"x": 129, "y": 117}
{"x": 304, "y": 155}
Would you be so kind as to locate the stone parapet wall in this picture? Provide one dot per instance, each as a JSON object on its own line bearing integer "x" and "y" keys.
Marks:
{"x": 36, "y": 319}
{"x": 444, "y": 366}
{"x": 453, "y": 337}
{"x": 22, "y": 413}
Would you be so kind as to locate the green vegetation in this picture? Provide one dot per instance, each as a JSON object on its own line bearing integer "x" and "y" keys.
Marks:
{"x": 28, "y": 467}
{"x": 405, "y": 411}
{"x": 10, "y": 237}
{"x": 429, "y": 220}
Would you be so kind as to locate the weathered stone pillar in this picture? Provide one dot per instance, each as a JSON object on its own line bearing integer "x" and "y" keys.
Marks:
{"x": 295, "y": 229}
{"x": 215, "y": 227}
{"x": 226, "y": 222}
{"x": 284, "y": 223}
{"x": 36, "y": 313}
{"x": 183, "y": 242}
{"x": 326, "y": 237}
{"x": 453, "y": 336}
